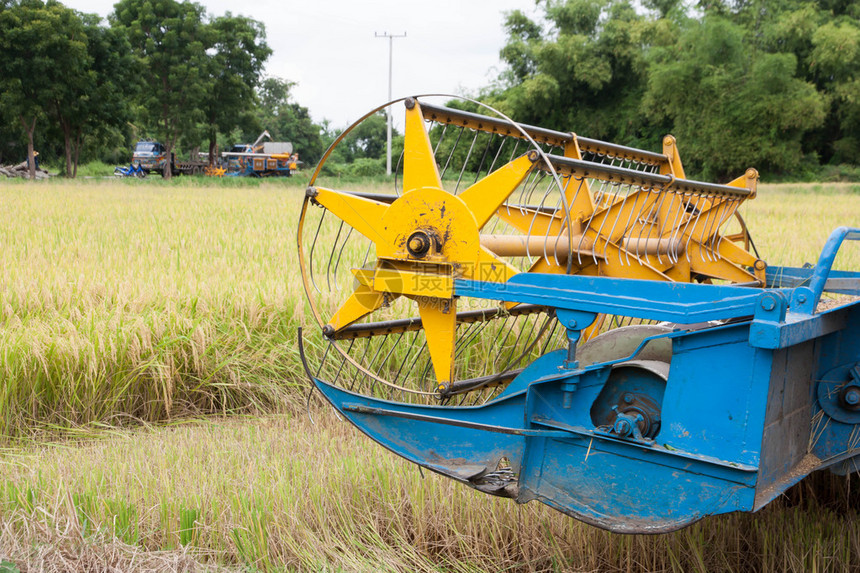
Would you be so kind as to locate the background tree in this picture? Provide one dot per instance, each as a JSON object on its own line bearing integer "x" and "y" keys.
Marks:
{"x": 170, "y": 40}
{"x": 43, "y": 47}
{"x": 240, "y": 51}
{"x": 582, "y": 67}
{"x": 736, "y": 82}
{"x": 286, "y": 120}
{"x": 729, "y": 110}
{"x": 97, "y": 96}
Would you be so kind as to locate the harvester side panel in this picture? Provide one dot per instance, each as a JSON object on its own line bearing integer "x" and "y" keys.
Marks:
{"x": 785, "y": 443}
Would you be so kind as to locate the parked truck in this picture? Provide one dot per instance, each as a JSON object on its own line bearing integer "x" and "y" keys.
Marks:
{"x": 152, "y": 156}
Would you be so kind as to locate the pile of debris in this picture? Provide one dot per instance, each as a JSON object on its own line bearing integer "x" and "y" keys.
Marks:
{"x": 21, "y": 170}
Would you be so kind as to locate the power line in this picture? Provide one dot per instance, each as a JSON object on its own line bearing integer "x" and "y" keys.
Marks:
{"x": 390, "y": 72}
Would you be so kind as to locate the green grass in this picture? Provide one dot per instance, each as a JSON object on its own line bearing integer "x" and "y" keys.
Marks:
{"x": 275, "y": 493}
{"x": 129, "y": 301}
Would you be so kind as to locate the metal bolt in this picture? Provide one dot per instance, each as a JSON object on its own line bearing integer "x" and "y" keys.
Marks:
{"x": 328, "y": 331}
{"x": 533, "y": 155}
{"x": 768, "y": 303}
{"x": 851, "y": 397}
{"x": 571, "y": 323}
{"x": 418, "y": 244}
{"x": 801, "y": 298}
{"x": 410, "y": 103}
{"x": 628, "y": 398}
{"x": 623, "y": 427}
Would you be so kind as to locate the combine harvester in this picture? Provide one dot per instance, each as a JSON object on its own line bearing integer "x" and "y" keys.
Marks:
{"x": 259, "y": 159}
{"x": 543, "y": 316}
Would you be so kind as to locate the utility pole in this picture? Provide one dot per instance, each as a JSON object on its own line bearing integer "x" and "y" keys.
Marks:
{"x": 390, "y": 71}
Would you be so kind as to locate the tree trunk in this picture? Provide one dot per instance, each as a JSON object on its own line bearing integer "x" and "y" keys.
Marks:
{"x": 77, "y": 144}
{"x": 67, "y": 143}
{"x": 31, "y": 152}
{"x": 167, "y": 172}
{"x": 213, "y": 144}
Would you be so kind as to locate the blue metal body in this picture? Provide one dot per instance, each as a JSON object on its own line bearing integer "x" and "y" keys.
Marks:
{"x": 247, "y": 165}
{"x": 747, "y": 408}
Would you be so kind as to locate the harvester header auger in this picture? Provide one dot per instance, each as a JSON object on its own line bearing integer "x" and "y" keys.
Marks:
{"x": 545, "y": 316}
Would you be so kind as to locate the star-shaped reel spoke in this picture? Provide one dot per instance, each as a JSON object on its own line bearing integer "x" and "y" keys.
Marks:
{"x": 424, "y": 240}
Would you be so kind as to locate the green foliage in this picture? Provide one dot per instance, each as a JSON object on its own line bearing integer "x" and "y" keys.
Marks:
{"x": 768, "y": 84}
{"x": 731, "y": 113}
{"x": 287, "y": 120}
{"x": 239, "y": 51}
{"x": 170, "y": 40}
{"x": 367, "y": 167}
{"x": 362, "y": 152}
{"x": 582, "y": 68}
{"x": 44, "y": 53}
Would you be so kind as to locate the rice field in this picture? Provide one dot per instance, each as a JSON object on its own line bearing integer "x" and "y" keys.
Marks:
{"x": 154, "y": 418}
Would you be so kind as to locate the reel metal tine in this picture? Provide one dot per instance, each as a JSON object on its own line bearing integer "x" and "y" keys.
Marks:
{"x": 692, "y": 220}
{"x": 441, "y": 137}
{"x": 342, "y": 246}
{"x": 466, "y": 162}
{"x": 370, "y": 246}
{"x": 323, "y": 359}
{"x": 361, "y": 361}
{"x": 580, "y": 184}
{"x": 468, "y": 336}
{"x": 398, "y": 191}
{"x": 717, "y": 239}
{"x": 641, "y": 220}
{"x": 330, "y": 258}
{"x": 502, "y": 140}
{"x": 603, "y": 223}
{"x": 675, "y": 225}
{"x": 483, "y": 158}
{"x": 710, "y": 220}
{"x": 514, "y": 150}
{"x": 660, "y": 220}
{"x": 700, "y": 211}
{"x": 516, "y": 343}
{"x": 534, "y": 179}
{"x": 379, "y": 346}
{"x": 502, "y": 328}
{"x": 409, "y": 352}
{"x": 654, "y": 218}
{"x": 451, "y": 153}
{"x": 626, "y": 226}
{"x": 343, "y": 359}
{"x": 550, "y": 335}
{"x": 541, "y": 205}
{"x": 313, "y": 248}
{"x": 680, "y": 222}
{"x": 417, "y": 355}
{"x": 565, "y": 221}
{"x": 631, "y": 219}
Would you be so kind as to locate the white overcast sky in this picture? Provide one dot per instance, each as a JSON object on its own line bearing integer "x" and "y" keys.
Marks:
{"x": 328, "y": 47}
